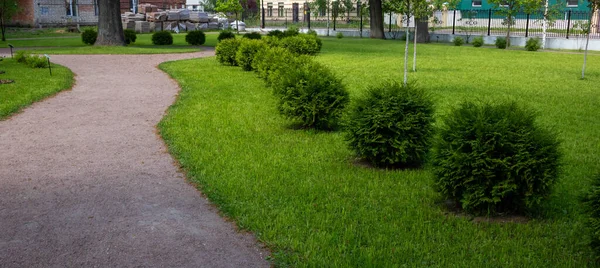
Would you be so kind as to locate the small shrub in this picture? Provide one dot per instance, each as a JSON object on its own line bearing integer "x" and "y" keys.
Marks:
{"x": 271, "y": 41}
{"x": 291, "y": 31}
{"x": 533, "y": 44}
{"x": 21, "y": 56}
{"x": 226, "y": 51}
{"x": 162, "y": 38}
{"x": 493, "y": 158}
{"x": 35, "y": 61}
{"x": 311, "y": 94}
{"x": 339, "y": 35}
{"x": 591, "y": 202}
{"x": 458, "y": 41}
{"x": 252, "y": 35}
{"x": 130, "y": 36}
{"x": 276, "y": 33}
{"x": 312, "y": 32}
{"x": 302, "y": 44}
{"x": 478, "y": 41}
{"x": 246, "y": 52}
{"x": 391, "y": 126}
{"x": 225, "y": 35}
{"x": 501, "y": 42}
{"x": 195, "y": 38}
{"x": 270, "y": 60}
{"x": 89, "y": 36}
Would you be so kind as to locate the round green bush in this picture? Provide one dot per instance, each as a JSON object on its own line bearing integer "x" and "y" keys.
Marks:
{"x": 339, "y": 35}
{"x": 302, "y": 44}
{"x": 195, "y": 38}
{"x": 478, "y": 41}
{"x": 130, "y": 36}
{"x": 494, "y": 158}
{"x": 37, "y": 61}
{"x": 291, "y": 31}
{"x": 310, "y": 94}
{"x": 501, "y": 42}
{"x": 89, "y": 36}
{"x": 533, "y": 44}
{"x": 312, "y": 32}
{"x": 458, "y": 41}
{"x": 21, "y": 56}
{"x": 225, "y": 35}
{"x": 275, "y": 33}
{"x": 591, "y": 202}
{"x": 270, "y": 60}
{"x": 252, "y": 35}
{"x": 162, "y": 38}
{"x": 246, "y": 52}
{"x": 391, "y": 126}
{"x": 226, "y": 51}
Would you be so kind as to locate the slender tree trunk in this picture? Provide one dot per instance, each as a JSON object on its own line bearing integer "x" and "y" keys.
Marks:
{"x": 110, "y": 27}
{"x": 406, "y": 50}
{"x": 376, "y": 21}
{"x": 327, "y": 10}
{"x": 508, "y": 31}
{"x": 545, "y": 24}
{"x": 587, "y": 42}
{"x": 415, "y": 48}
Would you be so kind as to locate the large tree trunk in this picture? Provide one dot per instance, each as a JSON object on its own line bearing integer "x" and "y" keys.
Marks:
{"x": 110, "y": 28}
{"x": 376, "y": 21}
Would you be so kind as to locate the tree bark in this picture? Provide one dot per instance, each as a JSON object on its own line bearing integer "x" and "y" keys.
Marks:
{"x": 376, "y": 21}
{"x": 587, "y": 42}
{"x": 110, "y": 27}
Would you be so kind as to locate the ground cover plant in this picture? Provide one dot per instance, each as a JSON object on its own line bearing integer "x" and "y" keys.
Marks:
{"x": 301, "y": 193}
{"x": 31, "y": 85}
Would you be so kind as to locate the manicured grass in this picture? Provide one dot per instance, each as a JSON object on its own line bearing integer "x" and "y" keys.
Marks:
{"x": 30, "y": 85}
{"x": 74, "y": 45}
{"x": 302, "y": 194}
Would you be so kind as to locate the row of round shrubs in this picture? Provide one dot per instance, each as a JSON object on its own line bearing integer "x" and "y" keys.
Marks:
{"x": 33, "y": 61}
{"x": 532, "y": 44}
{"x": 489, "y": 158}
{"x": 194, "y": 38}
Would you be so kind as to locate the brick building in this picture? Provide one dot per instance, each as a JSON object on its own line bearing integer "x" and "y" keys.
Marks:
{"x": 85, "y": 12}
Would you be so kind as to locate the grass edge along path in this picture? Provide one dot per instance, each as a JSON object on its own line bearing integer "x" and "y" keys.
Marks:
{"x": 31, "y": 85}
{"x": 301, "y": 195}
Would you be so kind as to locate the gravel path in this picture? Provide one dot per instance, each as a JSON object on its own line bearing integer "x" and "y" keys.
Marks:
{"x": 85, "y": 181}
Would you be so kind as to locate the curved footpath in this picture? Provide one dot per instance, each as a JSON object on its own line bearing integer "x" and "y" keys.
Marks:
{"x": 85, "y": 181}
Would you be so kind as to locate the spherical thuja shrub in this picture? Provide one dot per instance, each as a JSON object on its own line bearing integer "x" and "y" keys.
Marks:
{"x": 391, "y": 126}
{"x": 275, "y": 33}
{"x": 246, "y": 52}
{"x": 162, "y": 38}
{"x": 533, "y": 44}
{"x": 89, "y": 36}
{"x": 302, "y": 44}
{"x": 252, "y": 35}
{"x": 458, "y": 41}
{"x": 500, "y": 42}
{"x": 494, "y": 158}
{"x": 225, "y": 35}
{"x": 310, "y": 94}
{"x": 195, "y": 38}
{"x": 591, "y": 202}
{"x": 226, "y": 51}
{"x": 478, "y": 41}
{"x": 130, "y": 36}
{"x": 270, "y": 60}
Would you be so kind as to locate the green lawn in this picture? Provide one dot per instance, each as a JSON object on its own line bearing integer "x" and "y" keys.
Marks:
{"x": 302, "y": 195}
{"x": 30, "y": 85}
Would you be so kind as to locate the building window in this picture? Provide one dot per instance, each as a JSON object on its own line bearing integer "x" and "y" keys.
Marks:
{"x": 96, "y": 7}
{"x": 476, "y": 3}
{"x": 572, "y": 3}
{"x": 269, "y": 9}
{"x": 44, "y": 10}
{"x": 71, "y": 7}
{"x": 280, "y": 10}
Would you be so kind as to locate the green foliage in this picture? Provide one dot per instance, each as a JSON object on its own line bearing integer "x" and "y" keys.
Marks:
{"x": 35, "y": 61}
{"x": 391, "y": 126}
{"x": 162, "y": 38}
{"x": 339, "y": 35}
{"x": 225, "y": 35}
{"x": 21, "y": 56}
{"x": 275, "y": 33}
{"x": 271, "y": 60}
{"x": 310, "y": 94}
{"x": 228, "y": 6}
{"x": 130, "y": 36}
{"x": 312, "y": 32}
{"x": 195, "y": 38}
{"x": 252, "y": 35}
{"x": 302, "y": 44}
{"x": 493, "y": 158}
{"x": 533, "y": 44}
{"x": 291, "y": 31}
{"x": 478, "y": 41}
{"x": 226, "y": 51}
{"x": 501, "y": 42}
{"x": 246, "y": 52}
{"x": 458, "y": 41}
{"x": 271, "y": 41}
{"x": 89, "y": 36}
{"x": 591, "y": 202}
